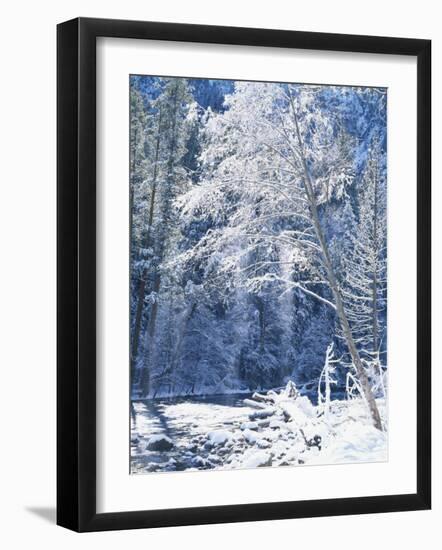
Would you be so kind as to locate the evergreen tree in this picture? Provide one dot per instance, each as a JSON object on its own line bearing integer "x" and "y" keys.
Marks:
{"x": 167, "y": 130}
{"x": 366, "y": 264}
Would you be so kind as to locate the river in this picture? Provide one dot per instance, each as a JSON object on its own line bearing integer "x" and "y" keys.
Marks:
{"x": 186, "y": 421}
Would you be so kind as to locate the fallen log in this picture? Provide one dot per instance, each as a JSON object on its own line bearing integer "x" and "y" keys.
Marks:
{"x": 263, "y": 413}
{"x": 269, "y": 398}
{"x": 255, "y": 404}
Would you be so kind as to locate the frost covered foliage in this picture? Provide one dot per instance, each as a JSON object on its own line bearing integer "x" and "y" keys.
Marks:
{"x": 258, "y": 239}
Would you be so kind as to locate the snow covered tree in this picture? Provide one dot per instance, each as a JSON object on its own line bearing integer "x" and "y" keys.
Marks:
{"x": 137, "y": 150}
{"x": 326, "y": 379}
{"x": 274, "y": 156}
{"x": 365, "y": 288}
{"x": 250, "y": 223}
{"x": 167, "y": 129}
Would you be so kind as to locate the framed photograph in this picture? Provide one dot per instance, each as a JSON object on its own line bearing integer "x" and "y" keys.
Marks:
{"x": 243, "y": 274}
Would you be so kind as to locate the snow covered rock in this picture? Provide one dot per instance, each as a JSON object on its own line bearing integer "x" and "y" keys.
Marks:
{"x": 250, "y": 436}
{"x": 160, "y": 442}
{"x": 171, "y": 465}
{"x": 219, "y": 437}
{"x": 198, "y": 462}
{"x": 276, "y": 424}
{"x": 223, "y": 451}
{"x": 263, "y": 423}
{"x": 249, "y": 426}
{"x": 257, "y": 460}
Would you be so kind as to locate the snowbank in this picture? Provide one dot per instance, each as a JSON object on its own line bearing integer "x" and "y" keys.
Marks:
{"x": 274, "y": 429}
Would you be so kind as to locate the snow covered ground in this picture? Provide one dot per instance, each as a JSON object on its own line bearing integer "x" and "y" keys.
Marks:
{"x": 276, "y": 430}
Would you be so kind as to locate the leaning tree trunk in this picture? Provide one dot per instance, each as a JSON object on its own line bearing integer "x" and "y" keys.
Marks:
{"x": 345, "y": 326}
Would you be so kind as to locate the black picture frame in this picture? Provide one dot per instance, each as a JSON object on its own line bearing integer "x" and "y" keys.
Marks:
{"x": 77, "y": 287}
